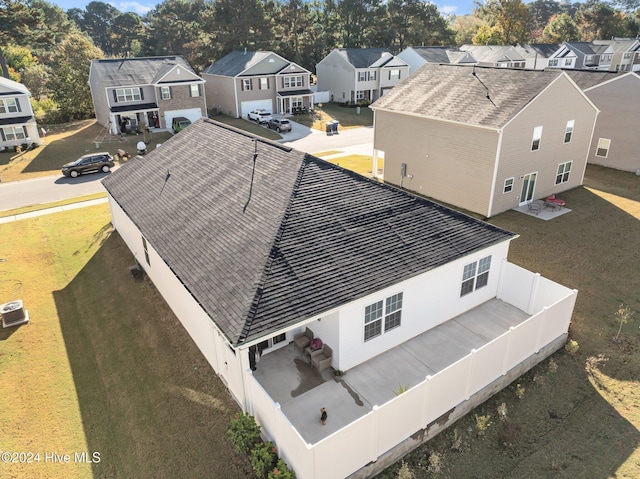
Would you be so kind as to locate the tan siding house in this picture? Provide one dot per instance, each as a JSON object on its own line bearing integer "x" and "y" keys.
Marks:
{"x": 484, "y": 139}
{"x": 616, "y": 143}
{"x": 243, "y": 81}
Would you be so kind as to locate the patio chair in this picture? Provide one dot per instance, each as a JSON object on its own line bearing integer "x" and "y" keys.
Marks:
{"x": 302, "y": 340}
{"x": 552, "y": 201}
{"x": 321, "y": 359}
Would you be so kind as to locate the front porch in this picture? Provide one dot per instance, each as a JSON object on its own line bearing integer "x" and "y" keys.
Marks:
{"x": 301, "y": 391}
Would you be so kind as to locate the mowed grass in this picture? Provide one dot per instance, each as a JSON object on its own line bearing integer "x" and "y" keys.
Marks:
{"x": 249, "y": 126}
{"x": 103, "y": 365}
{"x": 65, "y": 143}
{"x": 324, "y": 112}
{"x": 53, "y": 204}
{"x": 359, "y": 163}
{"x": 579, "y": 416}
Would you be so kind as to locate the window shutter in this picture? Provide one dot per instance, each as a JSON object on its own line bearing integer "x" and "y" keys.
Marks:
{"x": 18, "y": 104}
{"x": 267, "y": 83}
{"x": 115, "y": 96}
{"x": 170, "y": 92}
{"x": 389, "y": 74}
{"x": 141, "y": 94}
{"x": 4, "y": 138}
{"x": 24, "y": 129}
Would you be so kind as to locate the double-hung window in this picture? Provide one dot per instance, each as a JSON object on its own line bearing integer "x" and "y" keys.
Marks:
{"x": 508, "y": 185}
{"x": 475, "y": 275}
{"x": 165, "y": 92}
{"x": 372, "y": 75}
{"x": 394, "y": 74}
{"x": 564, "y": 170}
{"x": 362, "y": 76}
{"x": 194, "y": 90}
{"x": 388, "y": 310}
{"x": 537, "y": 136}
{"x": 603, "y": 147}
{"x": 11, "y": 133}
{"x": 568, "y": 132}
{"x": 264, "y": 83}
{"x": 9, "y": 105}
{"x": 246, "y": 84}
{"x": 128, "y": 94}
{"x": 292, "y": 81}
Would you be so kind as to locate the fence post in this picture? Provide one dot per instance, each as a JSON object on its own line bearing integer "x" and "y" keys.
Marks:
{"x": 534, "y": 293}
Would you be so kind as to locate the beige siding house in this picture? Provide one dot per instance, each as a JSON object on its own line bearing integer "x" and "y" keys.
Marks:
{"x": 616, "y": 143}
{"x": 359, "y": 74}
{"x": 243, "y": 81}
{"x": 131, "y": 93}
{"x": 484, "y": 139}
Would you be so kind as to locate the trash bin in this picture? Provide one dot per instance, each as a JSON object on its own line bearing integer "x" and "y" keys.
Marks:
{"x": 335, "y": 124}
{"x": 329, "y": 126}
{"x": 357, "y": 110}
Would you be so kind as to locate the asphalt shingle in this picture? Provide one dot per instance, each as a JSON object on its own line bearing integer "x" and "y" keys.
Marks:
{"x": 303, "y": 238}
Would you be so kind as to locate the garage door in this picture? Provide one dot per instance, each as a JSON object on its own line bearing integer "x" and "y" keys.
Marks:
{"x": 193, "y": 114}
{"x": 248, "y": 106}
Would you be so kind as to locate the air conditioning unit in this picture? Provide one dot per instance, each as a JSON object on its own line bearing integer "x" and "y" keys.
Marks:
{"x": 13, "y": 313}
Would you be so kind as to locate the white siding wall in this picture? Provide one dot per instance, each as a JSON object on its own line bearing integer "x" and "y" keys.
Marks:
{"x": 411, "y": 58}
{"x": 200, "y": 327}
{"x": 337, "y": 76}
{"x": 428, "y": 300}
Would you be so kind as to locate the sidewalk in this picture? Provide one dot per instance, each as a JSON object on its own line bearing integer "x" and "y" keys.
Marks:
{"x": 48, "y": 211}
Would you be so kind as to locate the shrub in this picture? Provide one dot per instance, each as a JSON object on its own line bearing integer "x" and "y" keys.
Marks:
{"x": 553, "y": 366}
{"x": 519, "y": 391}
{"x": 572, "y": 347}
{"x": 405, "y": 472}
{"x": 281, "y": 471}
{"x": 482, "y": 424}
{"x": 435, "y": 463}
{"x": 263, "y": 458}
{"x": 243, "y": 432}
{"x": 502, "y": 411}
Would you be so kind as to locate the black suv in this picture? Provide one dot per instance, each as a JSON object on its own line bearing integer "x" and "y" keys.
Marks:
{"x": 93, "y": 162}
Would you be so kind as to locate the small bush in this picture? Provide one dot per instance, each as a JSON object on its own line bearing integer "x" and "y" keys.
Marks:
{"x": 572, "y": 347}
{"x": 502, "y": 411}
{"x": 243, "y": 432}
{"x": 520, "y": 391}
{"x": 553, "y": 366}
{"x": 405, "y": 472}
{"x": 482, "y": 424}
{"x": 281, "y": 471}
{"x": 456, "y": 444}
{"x": 436, "y": 462}
{"x": 264, "y": 458}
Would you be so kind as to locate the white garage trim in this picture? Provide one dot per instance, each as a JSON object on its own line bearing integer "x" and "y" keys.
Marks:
{"x": 194, "y": 114}
{"x": 247, "y": 106}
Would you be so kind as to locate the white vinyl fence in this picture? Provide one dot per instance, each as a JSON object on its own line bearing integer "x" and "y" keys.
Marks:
{"x": 375, "y": 433}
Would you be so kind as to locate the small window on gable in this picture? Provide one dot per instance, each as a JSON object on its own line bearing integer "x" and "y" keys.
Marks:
{"x": 246, "y": 84}
{"x": 568, "y": 132}
{"x": 537, "y": 136}
{"x": 564, "y": 170}
{"x": 603, "y": 147}
{"x": 264, "y": 83}
{"x": 508, "y": 185}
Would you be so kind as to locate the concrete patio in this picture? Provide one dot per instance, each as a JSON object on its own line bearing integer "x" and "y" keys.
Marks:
{"x": 301, "y": 391}
{"x": 542, "y": 211}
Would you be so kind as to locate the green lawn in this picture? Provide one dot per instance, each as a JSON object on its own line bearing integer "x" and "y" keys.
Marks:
{"x": 103, "y": 365}
{"x": 246, "y": 125}
{"x": 348, "y": 117}
{"x": 65, "y": 143}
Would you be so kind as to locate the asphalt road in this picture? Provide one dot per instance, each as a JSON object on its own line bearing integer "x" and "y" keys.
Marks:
{"x": 49, "y": 189}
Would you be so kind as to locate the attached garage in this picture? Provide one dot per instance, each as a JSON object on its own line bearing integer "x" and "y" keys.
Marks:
{"x": 193, "y": 114}
{"x": 247, "y": 106}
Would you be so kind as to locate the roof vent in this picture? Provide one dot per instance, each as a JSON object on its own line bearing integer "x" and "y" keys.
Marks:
{"x": 13, "y": 313}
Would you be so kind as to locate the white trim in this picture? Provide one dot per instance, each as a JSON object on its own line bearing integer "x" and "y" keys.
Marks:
{"x": 496, "y": 162}
{"x": 615, "y": 78}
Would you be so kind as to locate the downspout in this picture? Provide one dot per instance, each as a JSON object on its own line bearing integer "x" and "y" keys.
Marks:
{"x": 495, "y": 173}
{"x": 235, "y": 94}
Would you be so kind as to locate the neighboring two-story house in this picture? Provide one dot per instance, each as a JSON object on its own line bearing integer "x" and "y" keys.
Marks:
{"x": 415, "y": 57}
{"x": 355, "y": 74}
{"x": 17, "y": 123}
{"x": 582, "y": 55}
{"x": 253, "y": 244}
{"x": 616, "y": 143}
{"x": 484, "y": 139}
{"x": 131, "y": 93}
{"x": 243, "y": 81}
{"x": 532, "y": 56}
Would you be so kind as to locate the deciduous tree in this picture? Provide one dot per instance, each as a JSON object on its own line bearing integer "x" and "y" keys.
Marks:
{"x": 561, "y": 28}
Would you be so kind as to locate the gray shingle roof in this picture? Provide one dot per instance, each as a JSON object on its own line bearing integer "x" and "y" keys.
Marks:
{"x": 236, "y": 62}
{"x": 363, "y": 57}
{"x": 135, "y": 71}
{"x": 587, "y": 78}
{"x": 313, "y": 236}
{"x": 453, "y": 93}
{"x": 435, "y": 54}
{"x": 532, "y": 50}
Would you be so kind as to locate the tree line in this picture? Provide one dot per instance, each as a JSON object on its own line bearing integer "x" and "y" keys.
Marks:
{"x": 49, "y": 50}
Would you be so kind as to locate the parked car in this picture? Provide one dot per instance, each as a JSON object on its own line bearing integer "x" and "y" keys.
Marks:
{"x": 90, "y": 163}
{"x": 279, "y": 124}
{"x": 260, "y": 115}
{"x": 179, "y": 123}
